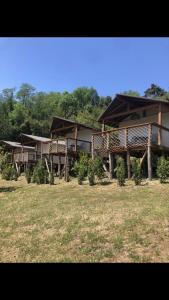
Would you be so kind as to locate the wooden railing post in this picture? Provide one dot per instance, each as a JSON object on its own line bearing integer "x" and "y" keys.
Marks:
{"x": 126, "y": 137}
{"x": 149, "y": 162}
{"x": 108, "y": 140}
{"x": 92, "y": 146}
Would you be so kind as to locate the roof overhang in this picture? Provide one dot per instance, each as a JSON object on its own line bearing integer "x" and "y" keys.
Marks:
{"x": 119, "y": 105}
{"x": 62, "y": 126}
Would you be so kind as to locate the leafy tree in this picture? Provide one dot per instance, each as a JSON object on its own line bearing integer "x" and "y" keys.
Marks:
{"x": 131, "y": 93}
{"x": 25, "y": 94}
{"x": 154, "y": 91}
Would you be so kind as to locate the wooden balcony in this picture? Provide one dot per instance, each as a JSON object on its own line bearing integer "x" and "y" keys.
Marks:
{"x": 22, "y": 157}
{"x": 67, "y": 145}
{"x": 131, "y": 137}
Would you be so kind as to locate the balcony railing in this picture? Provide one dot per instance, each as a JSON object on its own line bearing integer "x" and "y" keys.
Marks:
{"x": 24, "y": 156}
{"x": 68, "y": 145}
{"x": 133, "y": 137}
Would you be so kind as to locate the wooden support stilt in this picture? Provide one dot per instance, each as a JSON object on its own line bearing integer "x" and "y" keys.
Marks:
{"x": 142, "y": 158}
{"x": 111, "y": 166}
{"x": 128, "y": 165}
{"x": 59, "y": 167}
{"x": 47, "y": 165}
{"x": 51, "y": 163}
{"x": 66, "y": 168}
{"x": 149, "y": 163}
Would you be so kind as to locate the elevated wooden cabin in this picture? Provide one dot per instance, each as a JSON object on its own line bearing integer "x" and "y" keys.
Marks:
{"x": 69, "y": 138}
{"x": 139, "y": 125}
{"x": 19, "y": 155}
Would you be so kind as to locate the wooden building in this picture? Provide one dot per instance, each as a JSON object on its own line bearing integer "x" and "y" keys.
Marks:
{"x": 68, "y": 139}
{"x": 19, "y": 155}
{"x": 140, "y": 127}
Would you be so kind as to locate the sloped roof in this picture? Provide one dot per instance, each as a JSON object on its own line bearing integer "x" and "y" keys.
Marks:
{"x": 57, "y": 121}
{"x": 37, "y": 138}
{"x": 15, "y": 145}
{"x": 139, "y": 100}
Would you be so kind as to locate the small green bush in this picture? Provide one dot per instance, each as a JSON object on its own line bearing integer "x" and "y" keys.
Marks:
{"x": 162, "y": 169}
{"x": 7, "y": 172}
{"x": 98, "y": 167}
{"x": 51, "y": 178}
{"x": 120, "y": 171}
{"x": 40, "y": 175}
{"x": 28, "y": 175}
{"x": 91, "y": 172}
{"x": 81, "y": 174}
{"x": 14, "y": 174}
{"x": 136, "y": 168}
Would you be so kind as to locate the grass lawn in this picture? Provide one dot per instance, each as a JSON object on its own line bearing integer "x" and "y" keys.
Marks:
{"x": 71, "y": 223}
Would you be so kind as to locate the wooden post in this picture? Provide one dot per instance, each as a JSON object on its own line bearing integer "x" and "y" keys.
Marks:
{"x": 59, "y": 167}
{"x": 76, "y": 138}
{"x": 51, "y": 163}
{"x": 103, "y": 126}
{"x": 66, "y": 162}
{"x": 149, "y": 162}
{"x": 126, "y": 137}
{"x": 41, "y": 151}
{"x": 92, "y": 146}
{"x": 128, "y": 164}
{"x": 107, "y": 136}
{"x": 159, "y": 123}
{"x": 111, "y": 165}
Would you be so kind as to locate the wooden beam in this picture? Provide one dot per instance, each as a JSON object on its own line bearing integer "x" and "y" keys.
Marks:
{"x": 62, "y": 128}
{"x": 76, "y": 134}
{"x": 111, "y": 165}
{"x": 103, "y": 126}
{"x": 128, "y": 164}
{"x": 143, "y": 157}
{"x": 59, "y": 167}
{"x": 130, "y": 111}
{"x": 149, "y": 163}
{"x": 159, "y": 123}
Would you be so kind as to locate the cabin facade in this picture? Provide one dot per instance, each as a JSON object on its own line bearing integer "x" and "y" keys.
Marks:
{"x": 19, "y": 155}
{"x": 140, "y": 128}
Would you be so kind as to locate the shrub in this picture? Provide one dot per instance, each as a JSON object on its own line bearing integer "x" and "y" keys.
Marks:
{"x": 28, "y": 175}
{"x": 7, "y": 172}
{"x": 81, "y": 174}
{"x": 120, "y": 171}
{"x": 98, "y": 167}
{"x": 136, "y": 168}
{"x": 162, "y": 169}
{"x": 51, "y": 178}
{"x": 40, "y": 175}
{"x": 4, "y": 161}
{"x": 14, "y": 174}
{"x": 91, "y": 172}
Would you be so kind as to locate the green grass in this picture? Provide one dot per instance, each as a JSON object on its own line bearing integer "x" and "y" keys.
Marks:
{"x": 71, "y": 223}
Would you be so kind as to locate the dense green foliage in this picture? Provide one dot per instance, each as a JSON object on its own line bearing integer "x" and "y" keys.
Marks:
{"x": 163, "y": 169}
{"x": 120, "y": 170}
{"x": 30, "y": 111}
{"x": 136, "y": 169}
{"x": 40, "y": 175}
{"x": 88, "y": 167}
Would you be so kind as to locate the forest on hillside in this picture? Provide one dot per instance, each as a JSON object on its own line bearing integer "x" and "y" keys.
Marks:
{"x": 30, "y": 111}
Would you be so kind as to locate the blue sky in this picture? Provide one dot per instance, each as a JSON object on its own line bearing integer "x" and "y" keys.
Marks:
{"x": 111, "y": 65}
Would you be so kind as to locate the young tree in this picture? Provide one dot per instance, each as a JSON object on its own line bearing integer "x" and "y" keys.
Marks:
{"x": 120, "y": 171}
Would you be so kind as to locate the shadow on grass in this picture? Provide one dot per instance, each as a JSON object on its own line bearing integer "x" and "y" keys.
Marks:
{"x": 8, "y": 189}
{"x": 104, "y": 183}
